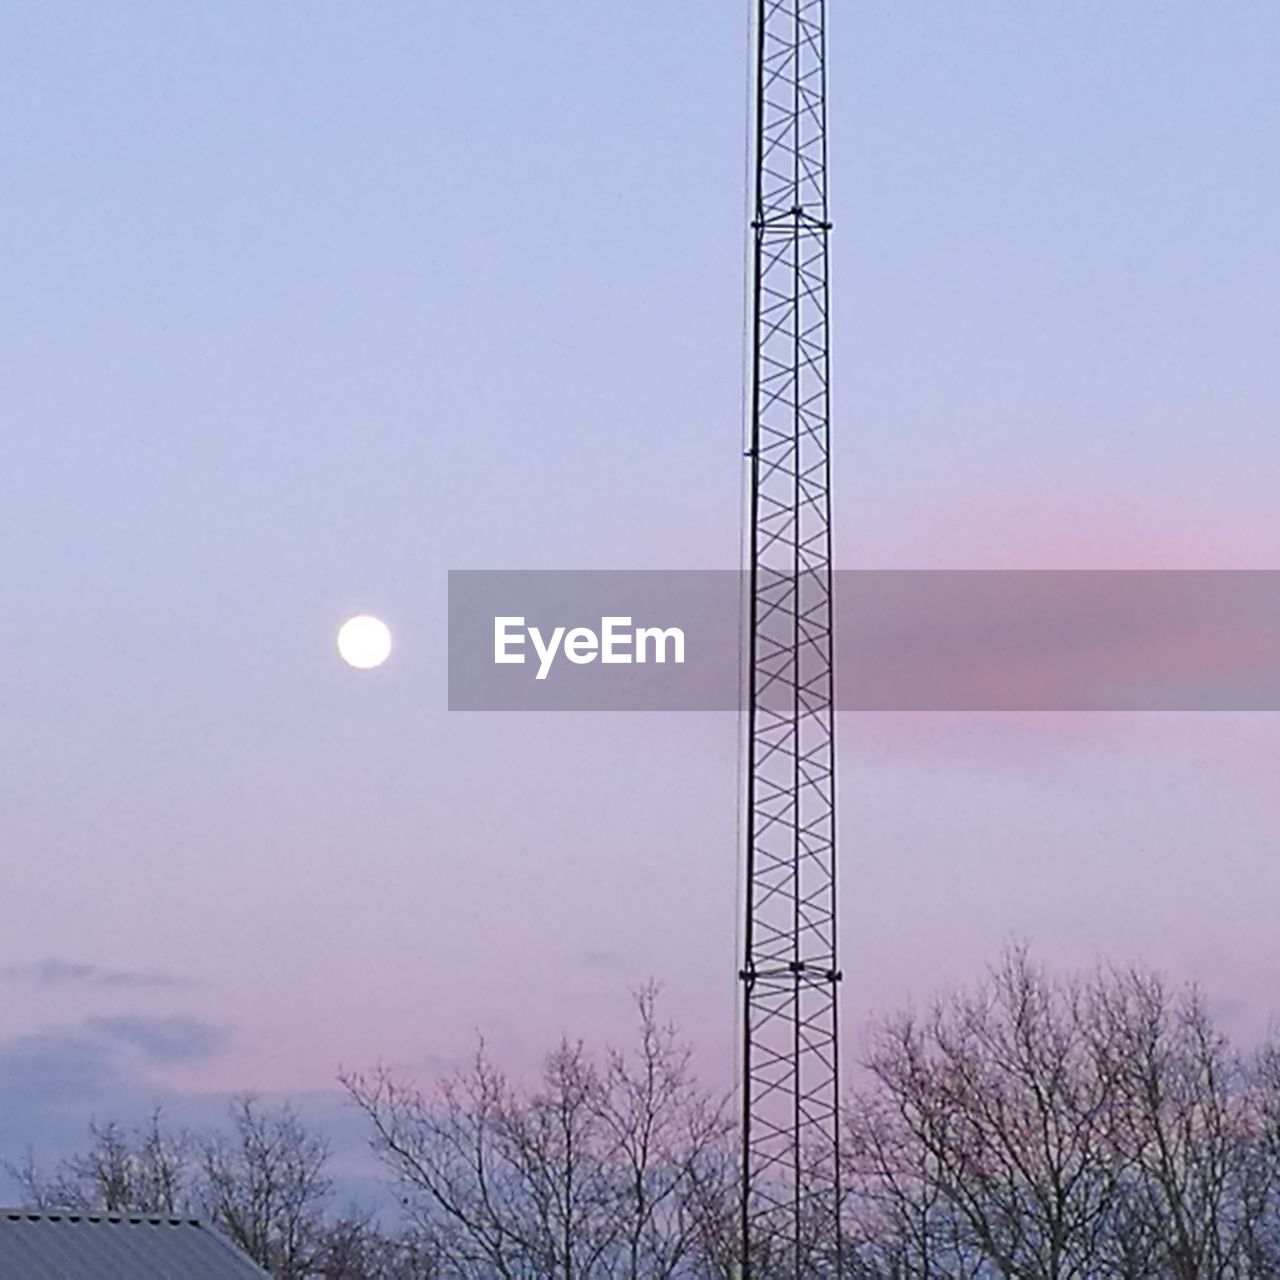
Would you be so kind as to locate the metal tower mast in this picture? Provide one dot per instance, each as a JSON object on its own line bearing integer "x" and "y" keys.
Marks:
{"x": 790, "y": 1082}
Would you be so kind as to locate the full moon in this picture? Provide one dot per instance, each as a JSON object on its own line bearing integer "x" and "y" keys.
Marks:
{"x": 364, "y": 642}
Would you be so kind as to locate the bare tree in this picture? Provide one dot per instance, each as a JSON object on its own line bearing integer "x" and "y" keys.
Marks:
{"x": 600, "y": 1171}
{"x": 264, "y": 1182}
{"x": 986, "y": 1138}
{"x": 1053, "y": 1130}
{"x": 1181, "y": 1128}
{"x": 149, "y": 1169}
{"x": 668, "y": 1142}
{"x": 261, "y": 1179}
{"x": 355, "y": 1247}
{"x": 1260, "y": 1177}
{"x": 1032, "y": 1128}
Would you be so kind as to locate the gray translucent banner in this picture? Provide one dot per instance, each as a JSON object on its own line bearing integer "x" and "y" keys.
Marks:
{"x": 1057, "y": 640}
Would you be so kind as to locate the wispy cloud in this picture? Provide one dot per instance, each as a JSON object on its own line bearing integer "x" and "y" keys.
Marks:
{"x": 54, "y": 1081}
{"x": 162, "y": 1040}
{"x": 56, "y": 972}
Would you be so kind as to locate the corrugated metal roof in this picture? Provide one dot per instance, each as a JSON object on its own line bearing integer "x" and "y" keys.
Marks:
{"x": 110, "y": 1246}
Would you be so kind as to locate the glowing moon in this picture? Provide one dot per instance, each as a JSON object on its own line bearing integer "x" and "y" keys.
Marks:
{"x": 364, "y": 642}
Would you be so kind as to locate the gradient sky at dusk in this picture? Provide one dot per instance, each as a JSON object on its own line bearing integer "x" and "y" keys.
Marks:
{"x": 307, "y": 304}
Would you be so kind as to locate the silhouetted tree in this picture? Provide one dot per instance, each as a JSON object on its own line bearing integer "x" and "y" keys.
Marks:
{"x": 605, "y": 1169}
{"x": 1030, "y": 1128}
{"x": 150, "y": 1169}
{"x": 264, "y": 1182}
{"x": 1045, "y": 1130}
{"x": 261, "y": 1179}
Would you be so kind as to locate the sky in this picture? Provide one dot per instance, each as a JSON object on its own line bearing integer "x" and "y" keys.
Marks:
{"x": 308, "y": 304}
